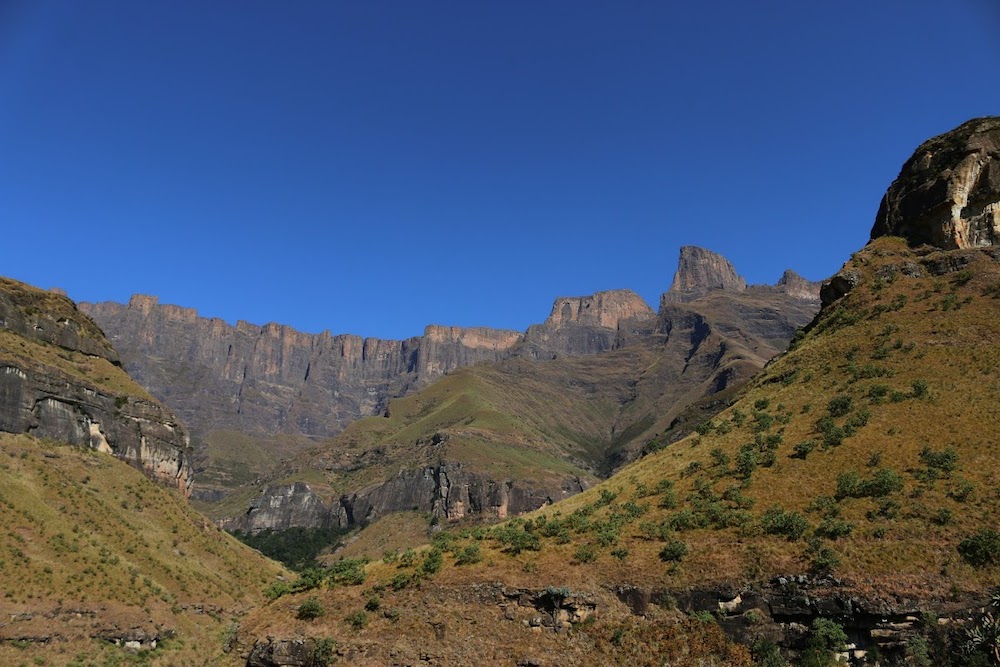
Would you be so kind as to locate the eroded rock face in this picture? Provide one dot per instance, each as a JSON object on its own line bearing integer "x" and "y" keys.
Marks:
{"x": 446, "y": 490}
{"x": 948, "y": 193}
{"x": 273, "y": 379}
{"x": 47, "y": 360}
{"x": 700, "y": 271}
{"x": 584, "y": 325}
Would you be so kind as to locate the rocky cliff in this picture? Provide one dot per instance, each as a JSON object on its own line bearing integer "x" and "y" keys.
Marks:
{"x": 445, "y": 490}
{"x": 265, "y": 380}
{"x": 585, "y": 325}
{"x": 948, "y": 193}
{"x": 61, "y": 379}
{"x": 602, "y": 381}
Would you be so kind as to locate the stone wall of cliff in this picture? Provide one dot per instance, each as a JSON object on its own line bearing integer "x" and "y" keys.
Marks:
{"x": 447, "y": 490}
{"x": 273, "y": 379}
{"x": 61, "y": 379}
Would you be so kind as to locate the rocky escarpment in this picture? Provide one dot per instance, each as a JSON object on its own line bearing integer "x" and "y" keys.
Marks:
{"x": 61, "y": 379}
{"x": 265, "y": 380}
{"x": 948, "y": 193}
{"x": 447, "y": 490}
{"x": 589, "y": 324}
{"x": 646, "y": 369}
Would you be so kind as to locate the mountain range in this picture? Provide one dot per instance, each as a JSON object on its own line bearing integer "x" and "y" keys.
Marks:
{"x": 707, "y": 484}
{"x": 623, "y": 374}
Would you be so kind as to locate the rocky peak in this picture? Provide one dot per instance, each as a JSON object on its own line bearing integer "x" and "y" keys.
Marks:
{"x": 601, "y": 309}
{"x": 700, "y": 271}
{"x": 798, "y": 287}
{"x": 948, "y": 193}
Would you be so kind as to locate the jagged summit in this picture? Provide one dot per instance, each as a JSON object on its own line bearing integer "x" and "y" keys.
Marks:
{"x": 795, "y": 285}
{"x": 700, "y": 271}
{"x": 948, "y": 193}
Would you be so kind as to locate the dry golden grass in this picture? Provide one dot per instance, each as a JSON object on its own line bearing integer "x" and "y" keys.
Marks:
{"x": 91, "y": 546}
{"x": 931, "y": 342}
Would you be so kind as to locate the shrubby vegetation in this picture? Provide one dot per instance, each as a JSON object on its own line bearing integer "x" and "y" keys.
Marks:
{"x": 296, "y": 548}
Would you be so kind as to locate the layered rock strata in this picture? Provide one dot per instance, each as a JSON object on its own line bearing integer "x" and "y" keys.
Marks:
{"x": 61, "y": 379}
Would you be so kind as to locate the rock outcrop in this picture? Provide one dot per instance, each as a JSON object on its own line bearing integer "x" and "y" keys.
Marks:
{"x": 446, "y": 490}
{"x": 948, "y": 193}
{"x": 584, "y": 325}
{"x": 700, "y": 271}
{"x": 61, "y": 379}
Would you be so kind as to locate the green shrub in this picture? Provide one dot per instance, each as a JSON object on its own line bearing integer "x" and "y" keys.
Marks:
{"x": 822, "y": 559}
{"x": 515, "y": 539}
{"x": 825, "y": 639}
{"x": 357, "y": 620}
{"x": 943, "y": 517}
{"x": 877, "y": 393}
{"x": 882, "y": 483}
{"x": 347, "y": 572}
{"x": 777, "y": 521}
{"x": 746, "y": 461}
{"x": 765, "y": 653}
{"x": 981, "y": 549}
{"x": 834, "y": 528}
{"x": 673, "y": 551}
{"x": 962, "y": 490}
{"x": 719, "y": 458}
{"x": 839, "y": 406}
{"x": 310, "y": 609}
{"x": 401, "y": 581}
{"x": 433, "y": 560}
{"x": 470, "y": 555}
{"x": 803, "y": 449}
{"x": 322, "y": 652}
{"x": 585, "y": 553}
{"x": 939, "y": 462}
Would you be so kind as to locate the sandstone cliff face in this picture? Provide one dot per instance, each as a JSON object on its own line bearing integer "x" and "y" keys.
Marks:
{"x": 271, "y": 379}
{"x": 586, "y": 325}
{"x": 948, "y": 193}
{"x": 61, "y": 379}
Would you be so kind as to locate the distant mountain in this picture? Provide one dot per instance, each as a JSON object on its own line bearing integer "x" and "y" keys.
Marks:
{"x": 602, "y": 380}
{"x": 842, "y": 509}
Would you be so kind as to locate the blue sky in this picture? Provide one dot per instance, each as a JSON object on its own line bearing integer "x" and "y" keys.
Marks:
{"x": 372, "y": 167}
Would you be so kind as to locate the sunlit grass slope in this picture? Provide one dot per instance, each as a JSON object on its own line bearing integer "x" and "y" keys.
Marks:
{"x": 869, "y": 452}
{"x": 92, "y": 551}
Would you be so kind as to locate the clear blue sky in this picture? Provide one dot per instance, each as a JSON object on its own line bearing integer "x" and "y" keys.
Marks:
{"x": 372, "y": 167}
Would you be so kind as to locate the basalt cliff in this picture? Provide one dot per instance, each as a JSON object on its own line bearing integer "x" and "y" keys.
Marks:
{"x": 60, "y": 379}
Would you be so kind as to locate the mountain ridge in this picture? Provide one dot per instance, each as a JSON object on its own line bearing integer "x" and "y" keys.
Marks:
{"x": 280, "y": 388}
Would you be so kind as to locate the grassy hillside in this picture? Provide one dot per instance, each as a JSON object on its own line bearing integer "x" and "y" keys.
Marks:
{"x": 869, "y": 452}
{"x": 92, "y": 551}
